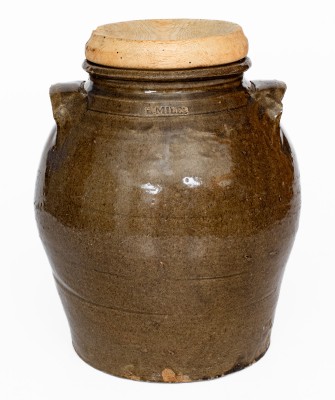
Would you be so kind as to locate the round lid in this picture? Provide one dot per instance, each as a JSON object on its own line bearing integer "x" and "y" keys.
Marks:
{"x": 167, "y": 44}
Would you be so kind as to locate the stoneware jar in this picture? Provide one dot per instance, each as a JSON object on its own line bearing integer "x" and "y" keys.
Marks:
{"x": 167, "y": 200}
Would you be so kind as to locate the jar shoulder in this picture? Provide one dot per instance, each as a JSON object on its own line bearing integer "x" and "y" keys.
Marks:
{"x": 215, "y": 166}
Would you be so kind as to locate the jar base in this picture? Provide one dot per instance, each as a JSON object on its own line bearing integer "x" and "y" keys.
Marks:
{"x": 168, "y": 375}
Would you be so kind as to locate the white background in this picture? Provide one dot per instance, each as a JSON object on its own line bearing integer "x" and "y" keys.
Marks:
{"x": 42, "y": 42}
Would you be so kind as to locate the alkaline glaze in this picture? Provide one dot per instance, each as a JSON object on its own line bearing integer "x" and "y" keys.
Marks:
{"x": 168, "y": 202}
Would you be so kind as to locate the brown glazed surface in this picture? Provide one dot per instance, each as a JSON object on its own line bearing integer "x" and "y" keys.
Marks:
{"x": 168, "y": 202}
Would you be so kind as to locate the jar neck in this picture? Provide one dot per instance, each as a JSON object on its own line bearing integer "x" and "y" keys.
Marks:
{"x": 165, "y": 92}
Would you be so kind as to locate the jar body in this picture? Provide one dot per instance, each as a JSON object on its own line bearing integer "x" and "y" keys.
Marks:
{"x": 168, "y": 231}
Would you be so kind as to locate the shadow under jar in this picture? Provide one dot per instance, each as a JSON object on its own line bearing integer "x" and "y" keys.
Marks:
{"x": 167, "y": 201}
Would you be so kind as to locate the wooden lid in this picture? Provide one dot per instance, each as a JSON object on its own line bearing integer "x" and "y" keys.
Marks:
{"x": 167, "y": 44}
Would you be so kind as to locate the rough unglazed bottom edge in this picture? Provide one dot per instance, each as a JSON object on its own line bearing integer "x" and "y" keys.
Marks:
{"x": 133, "y": 377}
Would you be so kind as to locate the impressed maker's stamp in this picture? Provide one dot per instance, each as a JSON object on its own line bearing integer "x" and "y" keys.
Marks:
{"x": 163, "y": 110}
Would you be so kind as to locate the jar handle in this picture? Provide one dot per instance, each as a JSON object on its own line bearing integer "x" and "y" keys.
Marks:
{"x": 267, "y": 102}
{"x": 68, "y": 102}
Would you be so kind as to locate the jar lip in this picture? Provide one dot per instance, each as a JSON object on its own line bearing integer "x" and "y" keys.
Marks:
{"x": 172, "y": 75}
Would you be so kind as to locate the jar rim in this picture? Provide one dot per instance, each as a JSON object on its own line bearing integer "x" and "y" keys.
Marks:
{"x": 168, "y": 75}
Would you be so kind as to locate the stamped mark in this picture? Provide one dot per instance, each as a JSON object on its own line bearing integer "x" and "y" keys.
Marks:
{"x": 166, "y": 110}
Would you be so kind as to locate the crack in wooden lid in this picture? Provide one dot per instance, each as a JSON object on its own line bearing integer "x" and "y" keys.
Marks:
{"x": 167, "y": 44}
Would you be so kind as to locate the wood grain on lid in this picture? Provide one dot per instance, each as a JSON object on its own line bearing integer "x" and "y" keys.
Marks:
{"x": 167, "y": 44}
